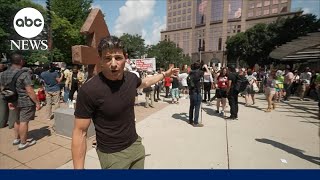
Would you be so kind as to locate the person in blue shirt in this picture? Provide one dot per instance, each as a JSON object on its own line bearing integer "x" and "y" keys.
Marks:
{"x": 51, "y": 80}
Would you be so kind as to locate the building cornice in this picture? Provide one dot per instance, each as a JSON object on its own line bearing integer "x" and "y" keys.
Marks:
{"x": 175, "y": 30}
{"x": 275, "y": 15}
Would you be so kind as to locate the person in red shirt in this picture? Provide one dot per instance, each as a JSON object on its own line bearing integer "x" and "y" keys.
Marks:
{"x": 167, "y": 84}
{"x": 221, "y": 92}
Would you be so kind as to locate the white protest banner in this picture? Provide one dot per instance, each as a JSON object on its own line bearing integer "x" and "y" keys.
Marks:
{"x": 145, "y": 64}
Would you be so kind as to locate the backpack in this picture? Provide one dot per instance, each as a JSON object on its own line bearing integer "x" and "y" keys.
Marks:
{"x": 241, "y": 84}
{"x": 190, "y": 81}
{"x": 9, "y": 92}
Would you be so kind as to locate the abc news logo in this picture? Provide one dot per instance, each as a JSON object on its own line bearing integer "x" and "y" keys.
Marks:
{"x": 29, "y": 23}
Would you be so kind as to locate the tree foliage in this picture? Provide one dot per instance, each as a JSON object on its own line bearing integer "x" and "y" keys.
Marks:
{"x": 134, "y": 44}
{"x": 255, "y": 45}
{"x": 167, "y": 53}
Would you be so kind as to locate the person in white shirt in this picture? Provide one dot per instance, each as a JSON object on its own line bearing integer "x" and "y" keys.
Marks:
{"x": 183, "y": 80}
{"x": 305, "y": 78}
{"x": 207, "y": 85}
{"x": 134, "y": 71}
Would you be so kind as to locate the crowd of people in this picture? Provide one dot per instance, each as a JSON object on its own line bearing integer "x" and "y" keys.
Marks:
{"x": 108, "y": 99}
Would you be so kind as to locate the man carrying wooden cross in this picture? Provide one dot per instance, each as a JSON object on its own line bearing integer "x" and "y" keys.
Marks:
{"x": 108, "y": 99}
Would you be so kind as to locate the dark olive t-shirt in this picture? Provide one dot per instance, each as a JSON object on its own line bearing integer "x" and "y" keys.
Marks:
{"x": 110, "y": 104}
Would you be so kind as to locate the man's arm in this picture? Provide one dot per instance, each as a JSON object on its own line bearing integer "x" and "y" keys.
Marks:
{"x": 59, "y": 79}
{"x": 79, "y": 142}
{"x": 33, "y": 96}
{"x": 148, "y": 81}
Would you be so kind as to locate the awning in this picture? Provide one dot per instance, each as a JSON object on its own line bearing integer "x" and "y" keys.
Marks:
{"x": 302, "y": 49}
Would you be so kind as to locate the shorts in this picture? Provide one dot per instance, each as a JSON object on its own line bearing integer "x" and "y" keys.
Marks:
{"x": 221, "y": 93}
{"x": 270, "y": 91}
{"x": 26, "y": 114}
{"x": 248, "y": 90}
{"x": 132, "y": 157}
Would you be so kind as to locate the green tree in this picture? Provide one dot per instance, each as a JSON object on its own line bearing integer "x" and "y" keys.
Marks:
{"x": 67, "y": 20}
{"x": 134, "y": 44}
{"x": 236, "y": 47}
{"x": 167, "y": 53}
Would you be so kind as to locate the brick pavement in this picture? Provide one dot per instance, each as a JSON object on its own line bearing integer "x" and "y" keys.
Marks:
{"x": 51, "y": 150}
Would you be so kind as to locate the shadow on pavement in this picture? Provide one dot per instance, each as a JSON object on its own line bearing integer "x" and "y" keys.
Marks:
{"x": 38, "y": 134}
{"x": 251, "y": 106}
{"x": 297, "y": 152}
{"x": 181, "y": 116}
{"x": 315, "y": 123}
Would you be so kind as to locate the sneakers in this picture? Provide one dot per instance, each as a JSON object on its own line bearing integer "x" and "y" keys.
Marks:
{"x": 26, "y": 145}
{"x": 217, "y": 111}
{"x": 222, "y": 113}
{"x": 16, "y": 142}
{"x": 197, "y": 125}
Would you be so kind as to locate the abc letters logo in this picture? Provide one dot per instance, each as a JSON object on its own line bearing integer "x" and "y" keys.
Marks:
{"x": 28, "y": 22}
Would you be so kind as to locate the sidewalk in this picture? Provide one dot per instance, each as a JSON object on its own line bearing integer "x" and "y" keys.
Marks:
{"x": 283, "y": 139}
{"x": 51, "y": 150}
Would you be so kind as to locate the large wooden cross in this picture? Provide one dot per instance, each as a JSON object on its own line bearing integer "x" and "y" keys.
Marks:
{"x": 94, "y": 28}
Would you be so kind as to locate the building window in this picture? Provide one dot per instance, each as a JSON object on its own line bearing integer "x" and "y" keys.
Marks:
{"x": 284, "y": 9}
{"x": 189, "y": 3}
{"x": 179, "y": 12}
{"x": 266, "y": 12}
{"x": 275, "y": 2}
{"x": 189, "y": 17}
{"x": 284, "y": 1}
{"x": 184, "y": 4}
{"x": 189, "y": 24}
{"x": 183, "y": 18}
{"x": 170, "y": 1}
{"x": 183, "y": 25}
{"x": 234, "y": 9}
{"x": 169, "y": 27}
{"x": 174, "y": 13}
{"x": 174, "y": 6}
{"x": 179, "y": 5}
{"x": 179, "y": 19}
{"x": 169, "y": 20}
{"x": 189, "y": 10}
{"x": 267, "y": 3}
{"x": 259, "y": 4}
{"x": 184, "y": 11}
{"x": 201, "y": 11}
{"x": 174, "y": 20}
{"x": 174, "y": 26}
{"x": 274, "y": 10}
{"x": 169, "y": 14}
{"x": 220, "y": 44}
{"x": 174, "y": 1}
{"x": 179, "y": 26}
{"x": 169, "y": 8}
{"x": 258, "y": 12}
{"x": 216, "y": 10}
{"x": 251, "y": 4}
{"x": 250, "y": 14}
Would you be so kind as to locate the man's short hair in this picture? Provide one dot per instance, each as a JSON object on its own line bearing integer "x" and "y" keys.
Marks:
{"x": 111, "y": 42}
{"x": 232, "y": 68}
{"x": 16, "y": 58}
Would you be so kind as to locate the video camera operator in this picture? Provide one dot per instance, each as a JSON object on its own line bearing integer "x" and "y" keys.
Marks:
{"x": 194, "y": 85}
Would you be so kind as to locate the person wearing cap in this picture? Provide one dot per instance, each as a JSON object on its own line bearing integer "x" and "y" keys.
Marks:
{"x": 108, "y": 99}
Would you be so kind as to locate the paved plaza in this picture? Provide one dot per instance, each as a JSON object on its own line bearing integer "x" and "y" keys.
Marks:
{"x": 283, "y": 139}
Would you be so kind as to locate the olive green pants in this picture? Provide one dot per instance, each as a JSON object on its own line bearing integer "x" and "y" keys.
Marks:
{"x": 130, "y": 158}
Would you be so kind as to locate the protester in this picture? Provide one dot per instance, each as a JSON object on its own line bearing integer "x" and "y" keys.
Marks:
{"x": 74, "y": 81}
{"x": 305, "y": 78}
{"x": 183, "y": 81}
{"x": 27, "y": 102}
{"x": 175, "y": 89}
{"x": 167, "y": 84}
{"x": 149, "y": 92}
{"x": 110, "y": 104}
{"x": 270, "y": 91}
{"x": 249, "y": 91}
{"x": 288, "y": 83}
{"x": 232, "y": 93}
{"x": 221, "y": 91}
{"x": 207, "y": 85}
{"x": 52, "y": 88}
{"x": 194, "y": 85}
